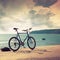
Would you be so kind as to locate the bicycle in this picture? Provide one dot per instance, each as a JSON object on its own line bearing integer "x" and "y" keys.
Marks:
{"x": 15, "y": 42}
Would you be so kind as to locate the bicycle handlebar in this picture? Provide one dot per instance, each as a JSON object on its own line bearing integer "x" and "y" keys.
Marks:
{"x": 27, "y": 29}
{"x": 30, "y": 28}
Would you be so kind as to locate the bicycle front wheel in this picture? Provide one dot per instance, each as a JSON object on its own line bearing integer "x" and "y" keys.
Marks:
{"x": 31, "y": 43}
{"x": 14, "y": 43}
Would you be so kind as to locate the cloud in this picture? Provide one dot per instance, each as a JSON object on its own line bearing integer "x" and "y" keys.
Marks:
{"x": 58, "y": 5}
{"x": 2, "y": 14}
{"x": 39, "y": 19}
{"x": 44, "y": 3}
{"x": 14, "y": 13}
{"x": 10, "y": 17}
{"x": 12, "y": 3}
{"x": 7, "y": 24}
{"x": 13, "y": 6}
{"x": 32, "y": 11}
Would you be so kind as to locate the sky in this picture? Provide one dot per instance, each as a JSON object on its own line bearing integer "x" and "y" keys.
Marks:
{"x": 23, "y": 14}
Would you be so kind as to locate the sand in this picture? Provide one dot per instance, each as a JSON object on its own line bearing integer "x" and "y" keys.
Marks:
{"x": 39, "y": 53}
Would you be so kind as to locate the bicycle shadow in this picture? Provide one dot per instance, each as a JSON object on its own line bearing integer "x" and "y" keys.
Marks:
{"x": 38, "y": 51}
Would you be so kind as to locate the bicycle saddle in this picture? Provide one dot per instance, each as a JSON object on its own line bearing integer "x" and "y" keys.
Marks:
{"x": 15, "y": 28}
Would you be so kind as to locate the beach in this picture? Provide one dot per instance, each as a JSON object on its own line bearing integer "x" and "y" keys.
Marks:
{"x": 51, "y": 52}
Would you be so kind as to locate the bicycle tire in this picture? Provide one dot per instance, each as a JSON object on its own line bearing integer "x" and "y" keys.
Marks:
{"x": 28, "y": 43}
{"x": 16, "y": 39}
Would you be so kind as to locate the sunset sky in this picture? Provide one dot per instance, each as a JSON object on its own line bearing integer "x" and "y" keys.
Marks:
{"x": 23, "y": 14}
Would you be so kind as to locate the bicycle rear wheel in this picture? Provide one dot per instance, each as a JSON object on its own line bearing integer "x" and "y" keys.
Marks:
{"x": 31, "y": 43}
{"x": 14, "y": 43}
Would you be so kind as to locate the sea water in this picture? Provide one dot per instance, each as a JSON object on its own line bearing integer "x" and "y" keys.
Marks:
{"x": 41, "y": 39}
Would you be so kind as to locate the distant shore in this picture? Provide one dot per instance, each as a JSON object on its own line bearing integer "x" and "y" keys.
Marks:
{"x": 39, "y": 53}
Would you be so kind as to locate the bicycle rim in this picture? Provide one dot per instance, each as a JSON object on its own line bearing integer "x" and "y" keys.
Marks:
{"x": 31, "y": 43}
{"x": 14, "y": 44}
